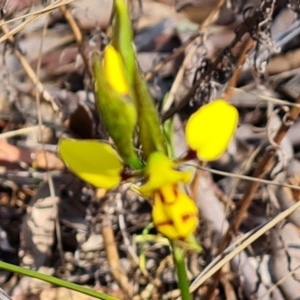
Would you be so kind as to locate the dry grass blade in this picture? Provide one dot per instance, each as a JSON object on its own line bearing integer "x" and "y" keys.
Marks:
{"x": 22, "y": 131}
{"x": 283, "y": 279}
{"x": 3, "y": 295}
{"x": 244, "y": 245}
{"x": 264, "y": 167}
{"x": 171, "y": 96}
{"x": 248, "y": 178}
{"x": 29, "y": 71}
{"x": 172, "y": 56}
{"x": 78, "y": 37}
{"x": 33, "y": 17}
{"x": 235, "y": 76}
{"x": 113, "y": 256}
{"x": 242, "y": 92}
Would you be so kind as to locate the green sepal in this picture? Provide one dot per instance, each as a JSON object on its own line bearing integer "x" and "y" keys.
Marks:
{"x": 150, "y": 133}
{"x": 118, "y": 114}
{"x": 122, "y": 38}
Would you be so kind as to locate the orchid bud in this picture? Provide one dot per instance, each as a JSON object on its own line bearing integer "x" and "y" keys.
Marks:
{"x": 114, "y": 102}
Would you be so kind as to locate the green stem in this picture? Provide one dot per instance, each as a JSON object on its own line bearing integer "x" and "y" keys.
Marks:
{"x": 55, "y": 281}
{"x": 183, "y": 283}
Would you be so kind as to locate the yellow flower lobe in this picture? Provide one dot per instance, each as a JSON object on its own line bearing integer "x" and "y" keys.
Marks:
{"x": 114, "y": 70}
{"x": 210, "y": 129}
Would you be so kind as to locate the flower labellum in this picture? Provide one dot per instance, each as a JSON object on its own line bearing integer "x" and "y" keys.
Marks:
{"x": 176, "y": 220}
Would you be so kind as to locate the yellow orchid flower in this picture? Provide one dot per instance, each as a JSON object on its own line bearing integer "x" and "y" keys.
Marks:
{"x": 174, "y": 214}
{"x": 210, "y": 129}
{"x": 93, "y": 161}
{"x": 208, "y": 132}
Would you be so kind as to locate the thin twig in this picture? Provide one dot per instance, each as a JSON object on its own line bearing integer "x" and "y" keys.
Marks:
{"x": 113, "y": 256}
{"x": 238, "y": 68}
{"x": 78, "y": 37}
{"x": 171, "y": 97}
{"x": 172, "y": 56}
{"x": 240, "y": 32}
{"x": 53, "y": 192}
{"x": 33, "y": 17}
{"x": 244, "y": 245}
{"x": 247, "y": 178}
{"x": 29, "y": 71}
{"x": 265, "y": 166}
{"x": 22, "y": 131}
{"x": 261, "y": 96}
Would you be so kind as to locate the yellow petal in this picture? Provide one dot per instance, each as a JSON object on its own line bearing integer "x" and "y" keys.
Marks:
{"x": 184, "y": 214}
{"x": 114, "y": 70}
{"x": 94, "y": 162}
{"x": 176, "y": 220}
{"x": 210, "y": 129}
{"x": 161, "y": 172}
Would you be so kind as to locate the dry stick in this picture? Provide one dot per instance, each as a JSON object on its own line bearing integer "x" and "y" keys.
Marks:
{"x": 189, "y": 94}
{"x": 176, "y": 83}
{"x": 241, "y": 177}
{"x": 33, "y": 16}
{"x": 29, "y": 71}
{"x": 229, "y": 256}
{"x": 211, "y": 16}
{"x": 181, "y": 49}
{"x": 42, "y": 11}
{"x": 22, "y": 131}
{"x": 227, "y": 95}
{"x": 53, "y": 192}
{"x": 113, "y": 256}
{"x": 265, "y": 166}
{"x": 78, "y": 37}
{"x": 240, "y": 32}
{"x": 178, "y": 79}
{"x": 235, "y": 76}
{"x": 172, "y": 56}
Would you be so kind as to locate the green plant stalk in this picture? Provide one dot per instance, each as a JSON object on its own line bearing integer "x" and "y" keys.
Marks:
{"x": 55, "y": 281}
{"x": 183, "y": 283}
{"x": 122, "y": 38}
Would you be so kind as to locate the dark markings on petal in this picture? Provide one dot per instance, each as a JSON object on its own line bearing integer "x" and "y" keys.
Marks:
{"x": 162, "y": 199}
{"x": 165, "y": 223}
